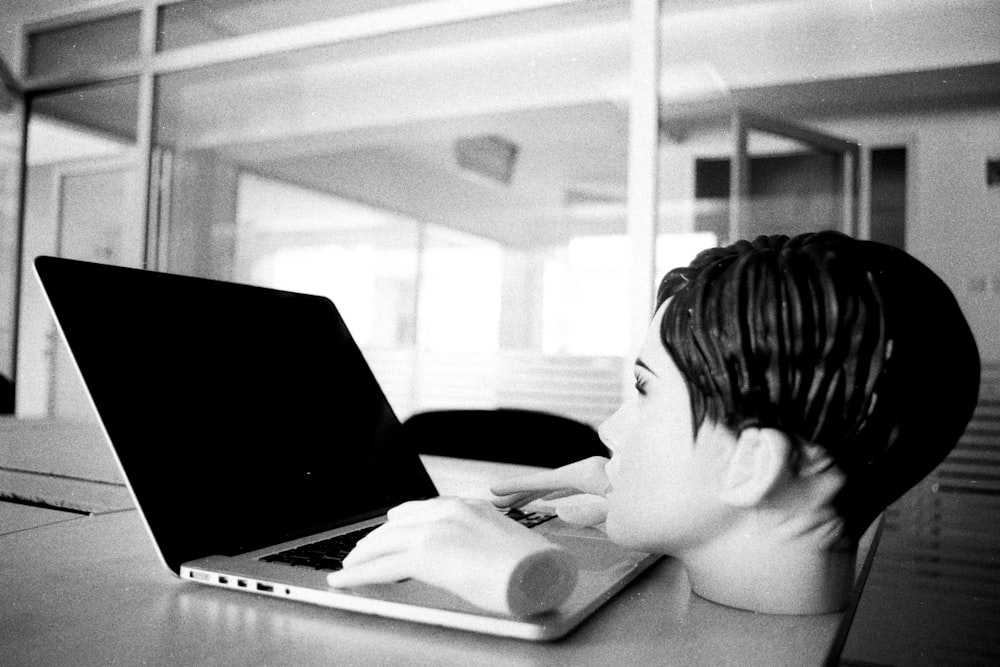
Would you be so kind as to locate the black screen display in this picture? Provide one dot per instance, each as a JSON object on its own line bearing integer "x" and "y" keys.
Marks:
{"x": 242, "y": 416}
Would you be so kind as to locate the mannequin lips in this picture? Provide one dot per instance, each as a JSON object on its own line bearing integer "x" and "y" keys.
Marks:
{"x": 610, "y": 469}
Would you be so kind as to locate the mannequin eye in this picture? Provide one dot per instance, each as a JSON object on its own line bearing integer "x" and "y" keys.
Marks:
{"x": 640, "y": 384}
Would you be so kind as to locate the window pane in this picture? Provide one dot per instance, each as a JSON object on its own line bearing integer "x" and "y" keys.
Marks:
{"x": 460, "y": 292}
{"x": 95, "y": 43}
{"x": 584, "y": 312}
{"x": 363, "y": 258}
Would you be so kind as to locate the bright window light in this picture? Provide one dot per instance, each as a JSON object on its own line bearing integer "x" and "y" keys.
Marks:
{"x": 584, "y": 311}
{"x": 674, "y": 250}
{"x": 460, "y": 293}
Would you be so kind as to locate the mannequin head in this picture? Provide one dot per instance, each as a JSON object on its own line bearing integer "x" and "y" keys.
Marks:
{"x": 850, "y": 345}
{"x": 790, "y": 389}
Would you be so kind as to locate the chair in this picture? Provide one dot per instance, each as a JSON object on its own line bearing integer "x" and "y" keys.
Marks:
{"x": 6, "y": 396}
{"x": 505, "y": 435}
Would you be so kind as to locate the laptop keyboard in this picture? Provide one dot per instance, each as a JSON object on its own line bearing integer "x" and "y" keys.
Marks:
{"x": 529, "y": 519}
{"x": 323, "y": 555}
{"x": 328, "y": 554}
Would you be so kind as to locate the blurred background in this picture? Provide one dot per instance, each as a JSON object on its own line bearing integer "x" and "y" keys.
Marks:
{"x": 489, "y": 192}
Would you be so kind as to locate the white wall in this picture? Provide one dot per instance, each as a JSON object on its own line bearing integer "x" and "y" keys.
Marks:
{"x": 36, "y": 338}
{"x": 953, "y": 217}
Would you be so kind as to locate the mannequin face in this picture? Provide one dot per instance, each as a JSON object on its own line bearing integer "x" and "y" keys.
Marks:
{"x": 664, "y": 481}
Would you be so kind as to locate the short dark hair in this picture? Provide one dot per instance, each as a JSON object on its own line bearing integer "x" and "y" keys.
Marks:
{"x": 852, "y": 345}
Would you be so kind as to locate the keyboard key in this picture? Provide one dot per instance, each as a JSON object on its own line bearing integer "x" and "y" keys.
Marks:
{"x": 529, "y": 518}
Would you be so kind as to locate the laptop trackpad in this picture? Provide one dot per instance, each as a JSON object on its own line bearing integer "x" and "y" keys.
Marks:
{"x": 592, "y": 554}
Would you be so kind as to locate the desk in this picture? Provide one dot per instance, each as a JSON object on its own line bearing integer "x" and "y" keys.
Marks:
{"x": 15, "y": 518}
{"x": 100, "y": 597}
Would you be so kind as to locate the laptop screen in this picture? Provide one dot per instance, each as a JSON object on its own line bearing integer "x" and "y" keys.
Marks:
{"x": 241, "y": 416}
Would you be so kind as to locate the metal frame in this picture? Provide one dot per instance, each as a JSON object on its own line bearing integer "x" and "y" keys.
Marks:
{"x": 414, "y": 16}
{"x": 744, "y": 120}
{"x": 13, "y": 86}
{"x": 642, "y": 178}
{"x": 8, "y": 79}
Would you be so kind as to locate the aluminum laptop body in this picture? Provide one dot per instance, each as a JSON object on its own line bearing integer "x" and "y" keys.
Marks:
{"x": 245, "y": 421}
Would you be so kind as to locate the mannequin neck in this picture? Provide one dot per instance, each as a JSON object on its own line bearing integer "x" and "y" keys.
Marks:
{"x": 786, "y": 555}
{"x": 774, "y": 576}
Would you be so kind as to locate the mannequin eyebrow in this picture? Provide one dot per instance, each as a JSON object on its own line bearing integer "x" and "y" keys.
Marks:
{"x": 642, "y": 364}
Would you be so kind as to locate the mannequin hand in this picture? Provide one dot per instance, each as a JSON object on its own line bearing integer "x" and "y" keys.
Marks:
{"x": 467, "y": 548}
{"x": 585, "y": 480}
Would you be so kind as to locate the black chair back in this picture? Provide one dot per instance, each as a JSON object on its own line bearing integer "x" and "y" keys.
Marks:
{"x": 506, "y": 435}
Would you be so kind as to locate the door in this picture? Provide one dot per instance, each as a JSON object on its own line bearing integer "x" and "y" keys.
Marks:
{"x": 92, "y": 230}
{"x": 83, "y": 198}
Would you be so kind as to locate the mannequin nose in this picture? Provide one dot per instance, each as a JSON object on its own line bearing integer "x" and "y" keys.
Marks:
{"x": 610, "y": 431}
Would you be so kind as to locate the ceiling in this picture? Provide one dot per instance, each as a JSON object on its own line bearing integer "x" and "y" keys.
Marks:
{"x": 377, "y": 121}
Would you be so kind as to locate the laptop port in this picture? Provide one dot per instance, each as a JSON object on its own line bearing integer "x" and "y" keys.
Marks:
{"x": 267, "y": 588}
{"x": 241, "y": 583}
{"x": 223, "y": 580}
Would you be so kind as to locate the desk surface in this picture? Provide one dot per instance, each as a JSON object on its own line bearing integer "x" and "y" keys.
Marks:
{"x": 15, "y": 517}
{"x": 90, "y": 590}
{"x": 102, "y": 597}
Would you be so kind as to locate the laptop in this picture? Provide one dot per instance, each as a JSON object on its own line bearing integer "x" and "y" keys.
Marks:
{"x": 247, "y": 424}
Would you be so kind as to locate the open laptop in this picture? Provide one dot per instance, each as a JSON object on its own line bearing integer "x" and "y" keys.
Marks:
{"x": 247, "y": 424}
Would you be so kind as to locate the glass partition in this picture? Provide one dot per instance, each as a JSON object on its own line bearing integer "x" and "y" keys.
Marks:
{"x": 361, "y": 257}
{"x": 419, "y": 186}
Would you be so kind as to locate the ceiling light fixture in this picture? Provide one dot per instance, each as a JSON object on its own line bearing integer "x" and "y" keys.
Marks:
{"x": 488, "y": 155}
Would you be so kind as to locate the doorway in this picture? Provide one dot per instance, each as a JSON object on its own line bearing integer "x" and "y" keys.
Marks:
{"x": 887, "y": 177}
{"x": 780, "y": 178}
{"x": 888, "y": 196}
{"x": 91, "y": 230}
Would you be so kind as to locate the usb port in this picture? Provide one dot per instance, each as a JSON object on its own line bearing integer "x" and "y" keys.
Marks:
{"x": 223, "y": 580}
{"x": 241, "y": 583}
{"x": 267, "y": 588}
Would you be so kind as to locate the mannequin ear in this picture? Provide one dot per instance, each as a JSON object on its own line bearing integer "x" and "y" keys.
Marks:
{"x": 758, "y": 462}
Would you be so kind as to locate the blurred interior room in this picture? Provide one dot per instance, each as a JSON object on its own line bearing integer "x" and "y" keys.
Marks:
{"x": 490, "y": 190}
